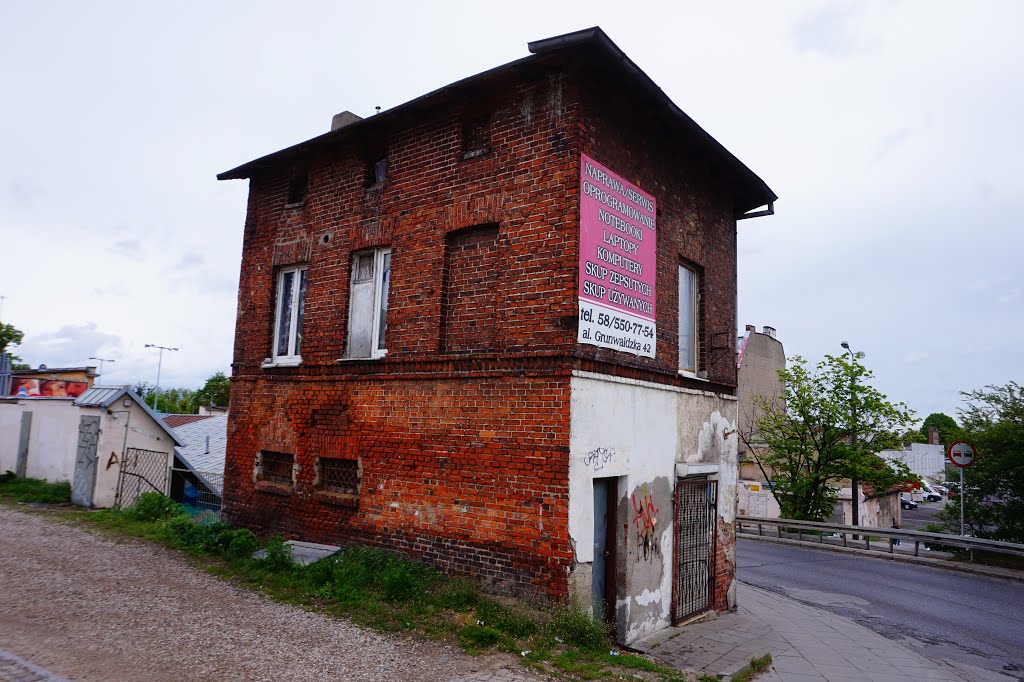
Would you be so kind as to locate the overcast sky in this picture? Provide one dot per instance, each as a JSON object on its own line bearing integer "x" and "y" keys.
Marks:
{"x": 891, "y": 132}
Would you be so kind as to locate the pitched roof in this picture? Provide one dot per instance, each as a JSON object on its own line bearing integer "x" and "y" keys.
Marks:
{"x": 177, "y": 420}
{"x": 590, "y": 49}
{"x": 105, "y": 396}
{"x": 194, "y": 453}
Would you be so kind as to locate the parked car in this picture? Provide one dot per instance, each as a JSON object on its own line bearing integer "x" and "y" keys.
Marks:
{"x": 907, "y": 503}
{"x": 930, "y": 494}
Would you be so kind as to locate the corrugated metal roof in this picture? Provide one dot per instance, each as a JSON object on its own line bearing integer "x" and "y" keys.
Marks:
{"x": 100, "y": 396}
{"x": 194, "y": 455}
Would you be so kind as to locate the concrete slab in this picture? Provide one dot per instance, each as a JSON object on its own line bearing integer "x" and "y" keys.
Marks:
{"x": 304, "y": 553}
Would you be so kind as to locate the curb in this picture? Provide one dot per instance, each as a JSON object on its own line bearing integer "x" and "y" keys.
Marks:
{"x": 958, "y": 567}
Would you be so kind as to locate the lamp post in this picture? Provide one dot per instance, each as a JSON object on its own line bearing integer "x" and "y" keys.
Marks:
{"x": 159, "y": 363}
{"x": 854, "y": 480}
{"x": 101, "y": 361}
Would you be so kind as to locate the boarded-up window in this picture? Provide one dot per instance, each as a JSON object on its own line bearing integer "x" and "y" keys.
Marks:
{"x": 471, "y": 274}
{"x": 368, "y": 304}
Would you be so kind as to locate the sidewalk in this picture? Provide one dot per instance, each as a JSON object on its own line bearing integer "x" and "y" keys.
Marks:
{"x": 806, "y": 645}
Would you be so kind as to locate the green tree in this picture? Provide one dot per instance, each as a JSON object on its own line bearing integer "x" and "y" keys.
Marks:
{"x": 993, "y": 421}
{"x": 949, "y": 430}
{"x": 216, "y": 391}
{"x": 827, "y": 428}
{"x": 10, "y": 337}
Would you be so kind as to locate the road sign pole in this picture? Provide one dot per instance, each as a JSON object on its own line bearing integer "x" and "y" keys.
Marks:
{"x": 962, "y": 492}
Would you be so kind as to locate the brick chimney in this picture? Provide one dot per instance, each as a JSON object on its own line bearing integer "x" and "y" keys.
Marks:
{"x": 933, "y": 436}
{"x": 343, "y": 119}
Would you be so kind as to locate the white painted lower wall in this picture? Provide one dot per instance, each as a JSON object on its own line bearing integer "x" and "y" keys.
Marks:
{"x": 638, "y": 432}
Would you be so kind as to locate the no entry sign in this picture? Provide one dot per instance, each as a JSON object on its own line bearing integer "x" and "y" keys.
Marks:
{"x": 961, "y": 454}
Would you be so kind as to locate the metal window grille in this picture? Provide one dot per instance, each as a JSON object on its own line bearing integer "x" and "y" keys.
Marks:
{"x": 696, "y": 515}
{"x": 199, "y": 491}
{"x": 276, "y": 467}
{"x": 339, "y": 475}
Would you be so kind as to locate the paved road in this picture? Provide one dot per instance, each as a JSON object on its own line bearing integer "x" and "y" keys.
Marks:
{"x": 973, "y": 622}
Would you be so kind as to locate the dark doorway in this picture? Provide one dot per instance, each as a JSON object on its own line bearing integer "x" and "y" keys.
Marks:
{"x": 696, "y": 514}
{"x": 603, "y": 590}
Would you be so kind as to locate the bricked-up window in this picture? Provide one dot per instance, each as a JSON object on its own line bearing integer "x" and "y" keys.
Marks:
{"x": 476, "y": 137}
{"x": 276, "y": 467}
{"x": 689, "y": 319}
{"x": 468, "y": 290}
{"x": 368, "y": 303}
{"x": 339, "y": 475}
{"x": 289, "y": 314}
{"x": 297, "y": 187}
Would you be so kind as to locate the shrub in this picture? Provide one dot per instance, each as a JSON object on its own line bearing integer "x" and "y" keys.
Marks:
{"x": 153, "y": 506}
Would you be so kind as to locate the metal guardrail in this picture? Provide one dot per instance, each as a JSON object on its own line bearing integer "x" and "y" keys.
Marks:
{"x": 822, "y": 530}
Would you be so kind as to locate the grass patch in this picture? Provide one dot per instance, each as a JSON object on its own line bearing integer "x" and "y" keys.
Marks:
{"x": 386, "y": 592}
{"x": 752, "y": 669}
{"x": 14, "y": 489}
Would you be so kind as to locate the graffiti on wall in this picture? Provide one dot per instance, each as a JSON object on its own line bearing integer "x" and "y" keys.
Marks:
{"x": 645, "y": 518}
{"x": 596, "y": 459}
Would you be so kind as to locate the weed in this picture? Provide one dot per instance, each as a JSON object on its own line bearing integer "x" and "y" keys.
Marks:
{"x": 478, "y": 637}
{"x": 575, "y": 626}
{"x": 755, "y": 666}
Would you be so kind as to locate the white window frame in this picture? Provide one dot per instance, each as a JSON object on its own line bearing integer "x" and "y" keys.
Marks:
{"x": 379, "y": 255}
{"x": 289, "y": 356}
{"x": 694, "y": 369}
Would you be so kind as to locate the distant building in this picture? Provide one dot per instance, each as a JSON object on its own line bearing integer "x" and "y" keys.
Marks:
{"x": 107, "y": 443}
{"x": 759, "y": 357}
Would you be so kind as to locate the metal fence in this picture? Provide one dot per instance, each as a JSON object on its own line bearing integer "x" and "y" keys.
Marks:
{"x": 143, "y": 471}
{"x": 885, "y": 539}
{"x": 199, "y": 491}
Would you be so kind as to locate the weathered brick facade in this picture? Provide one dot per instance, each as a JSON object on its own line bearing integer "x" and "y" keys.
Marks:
{"x": 462, "y": 431}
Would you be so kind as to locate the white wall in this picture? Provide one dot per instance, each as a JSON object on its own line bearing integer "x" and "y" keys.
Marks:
{"x": 142, "y": 432}
{"x": 755, "y": 499}
{"x": 923, "y": 459}
{"x": 639, "y": 431}
{"x": 52, "y": 438}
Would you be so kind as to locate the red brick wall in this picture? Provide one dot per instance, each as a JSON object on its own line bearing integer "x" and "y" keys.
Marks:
{"x": 470, "y": 474}
{"x": 472, "y": 269}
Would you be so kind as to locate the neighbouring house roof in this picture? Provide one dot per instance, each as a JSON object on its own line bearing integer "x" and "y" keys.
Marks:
{"x": 177, "y": 420}
{"x": 591, "y": 50}
{"x": 105, "y": 396}
{"x": 207, "y": 463}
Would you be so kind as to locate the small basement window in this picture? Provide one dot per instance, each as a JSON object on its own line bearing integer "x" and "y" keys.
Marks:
{"x": 276, "y": 467}
{"x": 339, "y": 475}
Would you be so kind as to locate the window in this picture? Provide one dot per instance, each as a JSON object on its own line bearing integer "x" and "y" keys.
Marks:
{"x": 376, "y": 169}
{"x": 288, "y": 318}
{"x": 689, "y": 323}
{"x": 275, "y": 467}
{"x": 368, "y": 303}
{"x": 297, "y": 187}
{"x": 339, "y": 475}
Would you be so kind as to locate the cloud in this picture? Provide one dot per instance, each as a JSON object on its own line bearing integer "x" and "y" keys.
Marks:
{"x": 127, "y": 247}
{"x": 914, "y": 357}
{"x": 827, "y": 30}
{"x": 191, "y": 259}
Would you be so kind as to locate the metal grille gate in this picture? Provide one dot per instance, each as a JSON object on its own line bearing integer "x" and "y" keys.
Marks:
{"x": 143, "y": 471}
{"x": 693, "y": 588}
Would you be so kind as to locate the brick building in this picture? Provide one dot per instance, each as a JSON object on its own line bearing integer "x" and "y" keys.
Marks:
{"x": 494, "y": 328}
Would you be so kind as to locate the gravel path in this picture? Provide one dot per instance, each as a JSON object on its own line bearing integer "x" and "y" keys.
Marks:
{"x": 86, "y": 607}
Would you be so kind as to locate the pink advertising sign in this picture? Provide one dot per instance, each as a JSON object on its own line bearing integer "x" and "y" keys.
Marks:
{"x": 618, "y": 250}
